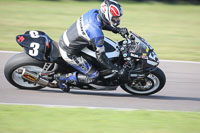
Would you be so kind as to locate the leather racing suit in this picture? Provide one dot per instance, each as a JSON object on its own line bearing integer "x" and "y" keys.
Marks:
{"x": 87, "y": 30}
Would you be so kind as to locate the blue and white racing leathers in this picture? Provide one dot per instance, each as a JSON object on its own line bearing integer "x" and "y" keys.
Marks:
{"x": 87, "y": 30}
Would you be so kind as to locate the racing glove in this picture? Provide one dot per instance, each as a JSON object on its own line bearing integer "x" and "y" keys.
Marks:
{"x": 123, "y": 32}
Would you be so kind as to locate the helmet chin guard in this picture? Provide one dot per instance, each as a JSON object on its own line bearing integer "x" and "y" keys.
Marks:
{"x": 110, "y": 12}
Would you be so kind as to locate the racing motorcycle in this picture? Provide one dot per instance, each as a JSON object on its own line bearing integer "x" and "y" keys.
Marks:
{"x": 36, "y": 67}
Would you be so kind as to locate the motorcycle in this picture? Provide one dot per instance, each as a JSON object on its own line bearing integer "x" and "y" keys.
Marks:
{"x": 36, "y": 67}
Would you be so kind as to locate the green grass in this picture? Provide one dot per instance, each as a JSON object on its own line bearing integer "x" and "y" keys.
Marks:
{"x": 172, "y": 30}
{"x": 34, "y": 119}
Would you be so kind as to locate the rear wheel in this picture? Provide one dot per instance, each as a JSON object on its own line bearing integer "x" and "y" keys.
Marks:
{"x": 153, "y": 83}
{"x": 20, "y": 61}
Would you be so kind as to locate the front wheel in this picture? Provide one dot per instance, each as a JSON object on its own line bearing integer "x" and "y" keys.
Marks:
{"x": 153, "y": 83}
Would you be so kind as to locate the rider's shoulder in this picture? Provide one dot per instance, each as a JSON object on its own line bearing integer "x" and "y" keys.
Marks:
{"x": 91, "y": 18}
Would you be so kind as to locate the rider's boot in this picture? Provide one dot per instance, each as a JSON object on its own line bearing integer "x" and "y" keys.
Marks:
{"x": 64, "y": 79}
{"x": 75, "y": 78}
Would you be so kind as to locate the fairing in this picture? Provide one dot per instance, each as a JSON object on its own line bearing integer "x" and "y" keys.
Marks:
{"x": 141, "y": 49}
{"x": 111, "y": 49}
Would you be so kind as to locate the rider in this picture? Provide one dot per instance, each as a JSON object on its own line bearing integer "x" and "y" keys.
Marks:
{"x": 87, "y": 30}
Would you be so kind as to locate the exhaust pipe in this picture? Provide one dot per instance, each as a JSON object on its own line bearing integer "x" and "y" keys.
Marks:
{"x": 35, "y": 78}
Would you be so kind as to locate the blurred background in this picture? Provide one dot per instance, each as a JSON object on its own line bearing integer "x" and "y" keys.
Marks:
{"x": 172, "y": 27}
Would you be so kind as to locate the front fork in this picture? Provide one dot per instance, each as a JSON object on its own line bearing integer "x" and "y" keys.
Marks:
{"x": 140, "y": 76}
{"x": 141, "y": 73}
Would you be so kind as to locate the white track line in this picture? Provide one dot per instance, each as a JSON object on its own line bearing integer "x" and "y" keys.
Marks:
{"x": 170, "y": 61}
{"x": 90, "y": 107}
{"x": 12, "y": 52}
{"x": 67, "y": 106}
{"x": 177, "y": 61}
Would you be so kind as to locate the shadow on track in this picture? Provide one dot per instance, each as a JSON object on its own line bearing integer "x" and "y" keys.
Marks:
{"x": 113, "y": 94}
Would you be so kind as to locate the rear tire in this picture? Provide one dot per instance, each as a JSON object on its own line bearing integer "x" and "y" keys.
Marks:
{"x": 156, "y": 81}
{"x": 17, "y": 61}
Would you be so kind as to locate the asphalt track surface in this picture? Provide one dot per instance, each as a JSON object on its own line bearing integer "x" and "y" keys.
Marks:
{"x": 181, "y": 92}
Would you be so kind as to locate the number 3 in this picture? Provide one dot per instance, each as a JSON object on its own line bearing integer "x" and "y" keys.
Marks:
{"x": 35, "y": 47}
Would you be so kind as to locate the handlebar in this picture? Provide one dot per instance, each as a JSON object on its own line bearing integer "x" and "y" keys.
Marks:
{"x": 127, "y": 38}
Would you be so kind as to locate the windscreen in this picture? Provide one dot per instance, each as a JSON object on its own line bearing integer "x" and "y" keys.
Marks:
{"x": 139, "y": 48}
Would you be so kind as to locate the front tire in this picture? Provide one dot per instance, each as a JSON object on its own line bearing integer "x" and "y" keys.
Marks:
{"x": 153, "y": 83}
{"x": 22, "y": 60}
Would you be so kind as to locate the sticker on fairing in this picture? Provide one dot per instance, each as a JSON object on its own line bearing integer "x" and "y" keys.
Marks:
{"x": 152, "y": 63}
{"x": 134, "y": 55}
